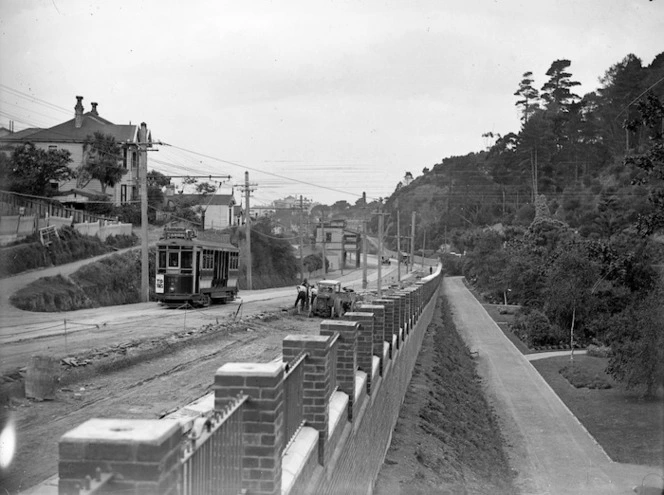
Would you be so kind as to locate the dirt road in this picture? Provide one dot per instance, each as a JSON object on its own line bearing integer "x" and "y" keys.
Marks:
{"x": 149, "y": 389}
{"x": 23, "y": 333}
{"x": 180, "y": 371}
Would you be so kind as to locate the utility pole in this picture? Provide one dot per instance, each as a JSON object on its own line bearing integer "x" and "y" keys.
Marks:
{"x": 399, "y": 247}
{"x": 379, "y": 281}
{"x": 364, "y": 254}
{"x": 412, "y": 241}
{"x": 424, "y": 245}
{"x": 143, "y": 178}
{"x": 247, "y": 218}
{"x": 301, "y": 239}
{"x": 322, "y": 228}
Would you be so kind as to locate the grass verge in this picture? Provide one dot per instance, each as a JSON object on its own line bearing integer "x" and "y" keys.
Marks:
{"x": 628, "y": 427}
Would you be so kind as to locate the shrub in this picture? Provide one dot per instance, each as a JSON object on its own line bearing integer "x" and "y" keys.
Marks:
{"x": 602, "y": 351}
{"x": 110, "y": 281}
{"x": 534, "y": 328}
{"x": 580, "y": 377}
{"x": 452, "y": 265}
{"x": 122, "y": 241}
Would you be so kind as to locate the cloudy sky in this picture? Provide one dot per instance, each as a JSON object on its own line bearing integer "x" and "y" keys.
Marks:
{"x": 326, "y": 99}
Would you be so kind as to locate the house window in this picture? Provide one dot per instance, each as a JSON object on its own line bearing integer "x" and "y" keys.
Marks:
{"x": 328, "y": 236}
{"x": 52, "y": 147}
{"x": 123, "y": 193}
{"x": 124, "y": 158}
{"x": 134, "y": 193}
{"x": 134, "y": 159}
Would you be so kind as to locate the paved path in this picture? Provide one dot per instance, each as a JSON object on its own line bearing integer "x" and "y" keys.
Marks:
{"x": 552, "y": 452}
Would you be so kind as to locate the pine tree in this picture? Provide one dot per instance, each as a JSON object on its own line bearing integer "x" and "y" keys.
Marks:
{"x": 529, "y": 96}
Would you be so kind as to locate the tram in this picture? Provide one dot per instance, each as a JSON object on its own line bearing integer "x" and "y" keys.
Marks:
{"x": 194, "y": 272}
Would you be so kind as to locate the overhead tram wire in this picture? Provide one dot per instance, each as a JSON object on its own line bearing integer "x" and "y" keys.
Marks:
{"x": 27, "y": 96}
{"x": 262, "y": 171}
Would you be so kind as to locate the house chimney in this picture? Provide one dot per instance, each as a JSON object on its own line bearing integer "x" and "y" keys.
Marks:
{"x": 78, "y": 112}
{"x": 94, "y": 108}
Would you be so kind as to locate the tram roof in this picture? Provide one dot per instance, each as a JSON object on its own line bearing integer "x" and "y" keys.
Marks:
{"x": 198, "y": 243}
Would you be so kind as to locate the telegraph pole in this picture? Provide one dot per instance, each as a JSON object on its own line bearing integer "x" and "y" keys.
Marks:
{"x": 399, "y": 247}
{"x": 322, "y": 228}
{"x": 247, "y": 218}
{"x": 301, "y": 239}
{"x": 143, "y": 178}
{"x": 379, "y": 281}
{"x": 364, "y": 254}
{"x": 412, "y": 241}
{"x": 424, "y": 244}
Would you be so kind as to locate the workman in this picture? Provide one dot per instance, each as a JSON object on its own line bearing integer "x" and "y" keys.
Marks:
{"x": 314, "y": 294}
{"x": 301, "y": 296}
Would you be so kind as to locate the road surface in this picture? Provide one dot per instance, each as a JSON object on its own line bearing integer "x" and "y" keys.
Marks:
{"x": 24, "y": 333}
{"x": 553, "y": 452}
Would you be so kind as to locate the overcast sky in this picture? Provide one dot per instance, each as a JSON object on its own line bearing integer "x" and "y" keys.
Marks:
{"x": 344, "y": 96}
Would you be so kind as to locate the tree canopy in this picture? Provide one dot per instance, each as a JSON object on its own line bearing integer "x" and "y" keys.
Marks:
{"x": 102, "y": 161}
{"x": 34, "y": 169}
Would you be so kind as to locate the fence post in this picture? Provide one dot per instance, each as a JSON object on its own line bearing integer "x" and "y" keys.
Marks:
{"x": 262, "y": 420}
{"x": 364, "y": 343}
{"x": 316, "y": 383}
{"x": 142, "y": 454}
{"x": 346, "y": 356}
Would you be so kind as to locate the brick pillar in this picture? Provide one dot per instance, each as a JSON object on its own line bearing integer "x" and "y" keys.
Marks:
{"x": 396, "y": 316}
{"x": 142, "y": 454}
{"x": 378, "y": 329}
{"x": 346, "y": 356}
{"x": 408, "y": 309}
{"x": 420, "y": 297}
{"x": 364, "y": 342}
{"x": 388, "y": 305}
{"x": 263, "y": 434}
{"x": 317, "y": 380}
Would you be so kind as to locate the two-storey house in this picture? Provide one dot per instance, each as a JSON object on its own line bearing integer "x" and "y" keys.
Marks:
{"x": 71, "y": 136}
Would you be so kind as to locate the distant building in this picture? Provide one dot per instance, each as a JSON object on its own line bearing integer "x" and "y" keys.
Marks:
{"x": 218, "y": 210}
{"x": 339, "y": 242}
{"x": 71, "y": 136}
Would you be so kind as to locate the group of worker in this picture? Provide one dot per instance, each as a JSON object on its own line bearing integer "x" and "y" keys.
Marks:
{"x": 306, "y": 295}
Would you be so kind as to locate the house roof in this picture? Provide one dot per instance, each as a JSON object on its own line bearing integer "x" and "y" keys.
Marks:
{"x": 205, "y": 199}
{"x": 20, "y": 135}
{"x": 67, "y": 132}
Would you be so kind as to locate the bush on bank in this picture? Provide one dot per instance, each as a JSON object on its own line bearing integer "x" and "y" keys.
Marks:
{"x": 71, "y": 246}
{"x": 107, "y": 282}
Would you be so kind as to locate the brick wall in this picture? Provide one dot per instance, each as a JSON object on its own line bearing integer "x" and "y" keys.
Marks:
{"x": 346, "y": 420}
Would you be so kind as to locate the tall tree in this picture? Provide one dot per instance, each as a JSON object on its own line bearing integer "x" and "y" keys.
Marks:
{"x": 33, "y": 169}
{"x": 651, "y": 161}
{"x": 637, "y": 344}
{"x": 103, "y": 161}
{"x": 556, "y": 92}
{"x": 529, "y": 96}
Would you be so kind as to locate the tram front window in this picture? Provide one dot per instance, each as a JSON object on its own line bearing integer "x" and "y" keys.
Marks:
{"x": 186, "y": 259}
{"x": 173, "y": 259}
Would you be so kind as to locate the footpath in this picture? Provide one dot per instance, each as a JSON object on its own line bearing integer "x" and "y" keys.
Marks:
{"x": 551, "y": 450}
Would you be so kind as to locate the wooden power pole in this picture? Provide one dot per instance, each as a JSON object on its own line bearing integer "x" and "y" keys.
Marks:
{"x": 143, "y": 178}
{"x": 412, "y": 241}
{"x": 247, "y": 218}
